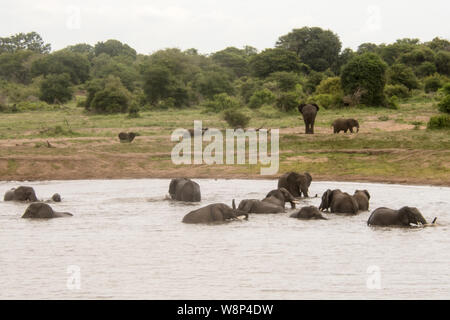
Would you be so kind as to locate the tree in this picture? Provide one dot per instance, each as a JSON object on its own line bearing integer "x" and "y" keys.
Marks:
{"x": 83, "y": 48}
{"x": 286, "y": 81}
{"x": 274, "y": 60}
{"x": 114, "y": 48}
{"x": 234, "y": 59}
{"x": 367, "y": 47}
{"x": 443, "y": 62}
{"x": 55, "y": 88}
{"x": 108, "y": 96}
{"x": 24, "y": 41}
{"x": 317, "y": 48}
{"x": 438, "y": 44}
{"x": 105, "y": 65}
{"x": 402, "y": 74}
{"x": 15, "y": 66}
{"x": 366, "y": 72}
{"x": 211, "y": 83}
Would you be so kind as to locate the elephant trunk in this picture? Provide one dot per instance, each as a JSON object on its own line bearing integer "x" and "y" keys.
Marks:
{"x": 292, "y": 204}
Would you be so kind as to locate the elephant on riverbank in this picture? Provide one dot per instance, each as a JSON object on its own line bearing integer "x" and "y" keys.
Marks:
{"x": 274, "y": 202}
{"x": 308, "y": 213}
{"x": 345, "y": 125}
{"x": 309, "y": 112}
{"x": 362, "y": 198}
{"x": 22, "y": 193}
{"x": 338, "y": 202}
{"x": 296, "y": 183}
{"x": 216, "y": 212}
{"x": 40, "y": 210}
{"x": 126, "y": 137}
{"x": 183, "y": 189}
{"x": 403, "y": 217}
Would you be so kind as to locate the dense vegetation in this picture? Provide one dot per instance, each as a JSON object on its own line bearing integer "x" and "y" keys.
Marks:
{"x": 305, "y": 65}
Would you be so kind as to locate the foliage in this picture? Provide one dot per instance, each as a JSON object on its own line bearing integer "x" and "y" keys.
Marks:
{"x": 105, "y": 65}
{"x": 31, "y": 41}
{"x": 234, "y": 59}
{"x": 432, "y": 83}
{"x": 114, "y": 48}
{"x": 444, "y": 104}
{"x": 221, "y": 102}
{"x": 260, "y": 98}
{"x": 235, "y": 118}
{"x": 274, "y": 60}
{"x": 286, "y": 81}
{"x": 327, "y": 100}
{"x": 107, "y": 96}
{"x": 402, "y": 74}
{"x": 287, "y": 101}
{"x": 439, "y": 122}
{"x": 426, "y": 69}
{"x": 15, "y": 66}
{"x": 442, "y": 62}
{"x": 366, "y": 72}
{"x": 211, "y": 83}
{"x": 398, "y": 90}
{"x": 330, "y": 85}
{"x": 55, "y": 88}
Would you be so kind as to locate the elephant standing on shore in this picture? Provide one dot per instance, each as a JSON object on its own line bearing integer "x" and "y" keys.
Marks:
{"x": 297, "y": 184}
{"x": 216, "y": 212}
{"x": 403, "y": 217}
{"x": 274, "y": 202}
{"x": 362, "y": 197}
{"x": 309, "y": 112}
{"x": 183, "y": 189}
{"x": 21, "y": 193}
{"x": 308, "y": 213}
{"x": 345, "y": 125}
{"x": 338, "y": 202}
{"x": 40, "y": 210}
{"x": 126, "y": 137}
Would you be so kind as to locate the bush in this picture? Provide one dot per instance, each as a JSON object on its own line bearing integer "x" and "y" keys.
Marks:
{"x": 392, "y": 102}
{"x": 446, "y": 88}
{"x": 287, "y": 101}
{"x": 426, "y": 69}
{"x": 286, "y": 81}
{"x": 444, "y": 105}
{"x": 402, "y": 74}
{"x": 368, "y": 73}
{"x": 221, "y": 102}
{"x": 329, "y": 86}
{"x": 398, "y": 90}
{"x": 55, "y": 88}
{"x": 432, "y": 84}
{"x": 236, "y": 119}
{"x": 108, "y": 96}
{"x": 327, "y": 101}
{"x": 261, "y": 97}
{"x": 439, "y": 122}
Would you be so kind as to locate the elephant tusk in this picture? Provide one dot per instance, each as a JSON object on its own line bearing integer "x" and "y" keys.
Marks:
{"x": 434, "y": 220}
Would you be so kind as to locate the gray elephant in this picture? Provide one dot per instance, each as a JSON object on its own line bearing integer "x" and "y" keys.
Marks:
{"x": 183, "y": 189}
{"x": 309, "y": 112}
{"x": 362, "y": 197}
{"x": 296, "y": 183}
{"x": 338, "y": 202}
{"x": 274, "y": 202}
{"x": 345, "y": 125}
{"x": 56, "y": 197}
{"x": 403, "y": 217}
{"x": 21, "y": 193}
{"x": 40, "y": 210}
{"x": 213, "y": 213}
{"x": 308, "y": 213}
{"x": 127, "y": 137}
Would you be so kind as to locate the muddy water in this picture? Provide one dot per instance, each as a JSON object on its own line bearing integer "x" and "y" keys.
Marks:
{"x": 128, "y": 242}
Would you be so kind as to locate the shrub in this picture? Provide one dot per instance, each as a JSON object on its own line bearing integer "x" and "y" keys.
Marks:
{"x": 446, "y": 88}
{"x": 398, "y": 90}
{"x": 402, "y": 74}
{"x": 235, "y": 118}
{"x": 56, "y": 88}
{"x": 108, "y": 96}
{"x": 287, "y": 101}
{"x": 221, "y": 102}
{"x": 261, "y": 97}
{"x": 444, "y": 104}
{"x": 432, "y": 84}
{"x": 330, "y": 86}
{"x": 426, "y": 69}
{"x": 327, "y": 100}
{"x": 392, "y": 102}
{"x": 133, "y": 111}
{"x": 439, "y": 122}
{"x": 286, "y": 81}
{"x": 366, "y": 72}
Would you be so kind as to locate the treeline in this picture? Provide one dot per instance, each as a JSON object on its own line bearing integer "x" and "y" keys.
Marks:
{"x": 305, "y": 65}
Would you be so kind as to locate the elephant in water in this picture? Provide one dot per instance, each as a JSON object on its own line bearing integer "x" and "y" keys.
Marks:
{"x": 362, "y": 197}
{"x": 402, "y": 217}
{"x": 338, "y": 202}
{"x": 274, "y": 202}
{"x": 296, "y": 183}
{"x": 56, "y": 197}
{"x": 310, "y": 212}
{"x": 21, "y": 193}
{"x": 345, "y": 125}
{"x": 183, "y": 189}
{"x": 213, "y": 213}
{"x": 40, "y": 210}
{"x": 309, "y": 112}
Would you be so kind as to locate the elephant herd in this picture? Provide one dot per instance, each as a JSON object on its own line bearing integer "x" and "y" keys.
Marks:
{"x": 292, "y": 188}
{"x": 309, "y": 113}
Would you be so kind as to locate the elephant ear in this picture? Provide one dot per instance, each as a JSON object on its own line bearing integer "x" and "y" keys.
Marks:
{"x": 405, "y": 216}
{"x": 308, "y": 177}
{"x": 315, "y": 105}
{"x": 367, "y": 193}
{"x": 172, "y": 186}
{"x": 233, "y": 203}
{"x": 300, "y": 107}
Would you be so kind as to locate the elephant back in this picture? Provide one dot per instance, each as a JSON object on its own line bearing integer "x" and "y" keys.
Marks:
{"x": 39, "y": 210}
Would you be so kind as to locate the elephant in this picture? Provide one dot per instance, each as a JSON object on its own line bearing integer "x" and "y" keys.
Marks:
{"x": 56, "y": 197}
{"x": 362, "y": 197}
{"x": 213, "y": 213}
{"x": 127, "y": 137}
{"x": 40, "y": 210}
{"x": 307, "y": 213}
{"x": 183, "y": 189}
{"x": 21, "y": 193}
{"x": 338, "y": 202}
{"x": 309, "y": 112}
{"x": 403, "y": 217}
{"x": 192, "y": 132}
{"x": 345, "y": 125}
{"x": 274, "y": 202}
{"x": 297, "y": 184}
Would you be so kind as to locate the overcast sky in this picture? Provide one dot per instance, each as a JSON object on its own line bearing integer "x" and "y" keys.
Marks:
{"x": 211, "y": 25}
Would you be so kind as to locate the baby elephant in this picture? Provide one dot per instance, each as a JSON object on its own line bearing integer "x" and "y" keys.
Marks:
{"x": 345, "y": 124}
{"x": 402, "y": 217}
{"x": 127, "y": 137}
{"x": 21, "y": 193}
{"x": 362, "y": 197}
{"x": 214, "y": 213}
{"x": 40, "y": 210}
{"x": 307, "y": 213}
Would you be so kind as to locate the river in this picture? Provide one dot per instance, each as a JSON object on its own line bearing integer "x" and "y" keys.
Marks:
{"x": 125, "y": 241}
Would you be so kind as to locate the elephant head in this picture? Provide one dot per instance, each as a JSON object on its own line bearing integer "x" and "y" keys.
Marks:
{"x": 234, "y": 213}
{"x": 25, "y": 194}
{"x": 411, "y": 215}
{"x": 327, "y": 198}
{"x": 364, "y": 192}
{"x": 353, "y": 123}
{"x": 302, "y": 105}
{"x": 287, "y": 197}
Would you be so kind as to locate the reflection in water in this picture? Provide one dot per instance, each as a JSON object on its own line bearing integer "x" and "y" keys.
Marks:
{"x": 129, "y": 242}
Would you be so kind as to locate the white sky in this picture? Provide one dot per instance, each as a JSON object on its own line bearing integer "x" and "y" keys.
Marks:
{"x": 211, "y": 25}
